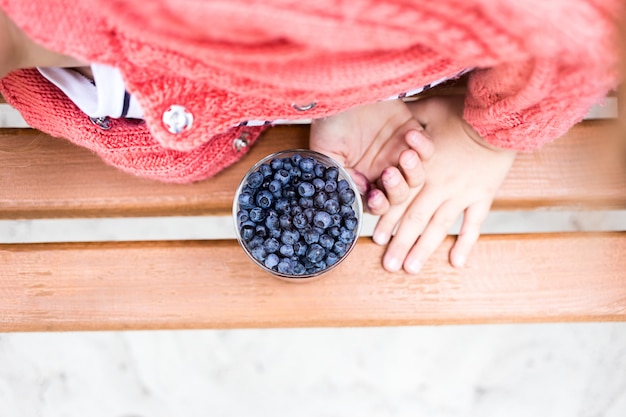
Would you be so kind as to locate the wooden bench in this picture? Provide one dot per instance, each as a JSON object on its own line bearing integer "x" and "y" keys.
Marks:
{"x": 527, "y": 277}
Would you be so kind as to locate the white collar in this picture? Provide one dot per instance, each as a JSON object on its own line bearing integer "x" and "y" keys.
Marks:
{"x": 108, "y": 97}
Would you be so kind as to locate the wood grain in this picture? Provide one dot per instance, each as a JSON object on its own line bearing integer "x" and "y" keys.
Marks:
{"x": 45, "y": 177}
{"x": 212, "y": 284}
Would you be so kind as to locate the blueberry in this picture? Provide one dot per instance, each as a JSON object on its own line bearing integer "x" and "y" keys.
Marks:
{"x": 320, "y": 266}
{"x": 255, "y": 241}
{"x": 336, "y": 219}
{"x": 286, "y": 250}
{"x": 347, "y": 211}
{"x": 351, "y": 223}
{"x": 247, "y": 232}
{"x": 346, "y": 235}
{"x": 246, "y": 200}
{"x": 259, "y": 253}
{"x": 322, "y": 219}
{"x": 242, "y": 216}
{"x": 331, "y": 206}
{"x": 319, "y": 199}
{"x": 347, "y": 197}
{"x": 311, "y": 235}
{"x": 318, "y": 183}
{"x": 266, "y": 170}
{"x": 315, "y": 253}
{"x": 326, "y": 241}
{"x": 282, "y": 205}
{"x": 285, "y": 266}
{"x": 285, "y": 221}
{"x": 309, "y": 213}
{"x": 257, "y": 215}
{"x": 295, "y": 173}
{"x": 307, "y": 164}
{"x": 307, "y": 176}
{"x": 306, "y": 189}
{"x": 264, "y": 199}
{"x": 289, "y": 192}
{"x": 299, "y": 269}
{"x": 275, "y": 187}
{"x": 300, "y": 221}
{"x": 276, "y": 164}
{"x": 319, "y": 170}
{"x": 305, "y": 202}
{"x": 296, "y": 158}
{"x": 330, "y": 186}
{"x": 300, "y": 248}
{"x": 289, "y": 237}
{"x": 342, "y": 185}
{"x": 287, "y": 165}
{"x": 331, "y": 173}
{"x": 271, "y": 221}
{"x": 275, "y": 233}
{"x": 271, "y": 245}
{"x": 334, "y": 231}
{"x": 340, "y": 248}
{"x": 331, "y": 258}
{"x": 271, "y": 261}
{"x": 282, "y": 175}
{"x": 255, "y": 179}
{"x": 261, "y": 230}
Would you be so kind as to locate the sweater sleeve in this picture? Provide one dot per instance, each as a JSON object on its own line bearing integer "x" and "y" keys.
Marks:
{"x": 524, "y": 105}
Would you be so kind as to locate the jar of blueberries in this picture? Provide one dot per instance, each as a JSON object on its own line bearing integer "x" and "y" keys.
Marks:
{"x": 297, "y": 214}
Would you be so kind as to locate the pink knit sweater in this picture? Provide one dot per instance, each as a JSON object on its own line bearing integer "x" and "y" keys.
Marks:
{"x": 540, "y": 66}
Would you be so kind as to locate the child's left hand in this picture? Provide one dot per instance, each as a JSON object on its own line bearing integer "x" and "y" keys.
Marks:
{"x": 462, "y": 176}
{"x": 370, "y": 141}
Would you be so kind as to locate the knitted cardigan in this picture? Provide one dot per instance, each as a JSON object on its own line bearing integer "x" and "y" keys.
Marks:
{"x": 539, "y": 65}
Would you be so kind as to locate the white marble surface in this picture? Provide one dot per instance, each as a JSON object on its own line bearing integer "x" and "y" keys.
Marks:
{"x": 497, "y": 370}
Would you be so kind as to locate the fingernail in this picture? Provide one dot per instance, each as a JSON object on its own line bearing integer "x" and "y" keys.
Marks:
{"x": 374, "y": 198}
{"x": 459, "y": 261}
{"x": 410, "y": 161}
{"x": 392, "y": 264}
{"x": 414, "y": 266}
{"x": 380, "y": 238}
{"x": 413, "y": 138}
{"x": 389, "y": 178}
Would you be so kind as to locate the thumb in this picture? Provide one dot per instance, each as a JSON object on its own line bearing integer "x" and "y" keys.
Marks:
{"x": 360, "y": 180}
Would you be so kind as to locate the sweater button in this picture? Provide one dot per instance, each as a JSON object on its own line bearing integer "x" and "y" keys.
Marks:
{"x": 103, "y": 123}
{"x": 177, "y": 119}
{"x": 241, "y": 142}
{"x": 304, "y": 107}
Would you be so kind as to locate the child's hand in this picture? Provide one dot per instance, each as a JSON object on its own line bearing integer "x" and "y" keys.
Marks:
{"x": 462, "y": 176}
{"x": 370, "y": 141}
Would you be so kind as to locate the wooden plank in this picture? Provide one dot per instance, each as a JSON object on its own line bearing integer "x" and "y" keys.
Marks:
{"x": 212, "y": 284}
{"x": 45, "y": 177}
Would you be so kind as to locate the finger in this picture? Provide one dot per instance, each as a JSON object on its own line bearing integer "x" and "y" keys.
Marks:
{"x": 473, "y": 219}
{"x": 433, "y": 235}
{"x": 361, "y": 182}
{"x": 386, "y": 225}
{"x": 388, "y": 220}
{"x": 377, "y": 203}
{"x": 418, "y": 140}
{"x": 412, "y": 168}
{"x": 395, "y": 186}
{"x": 411, "y": 225}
